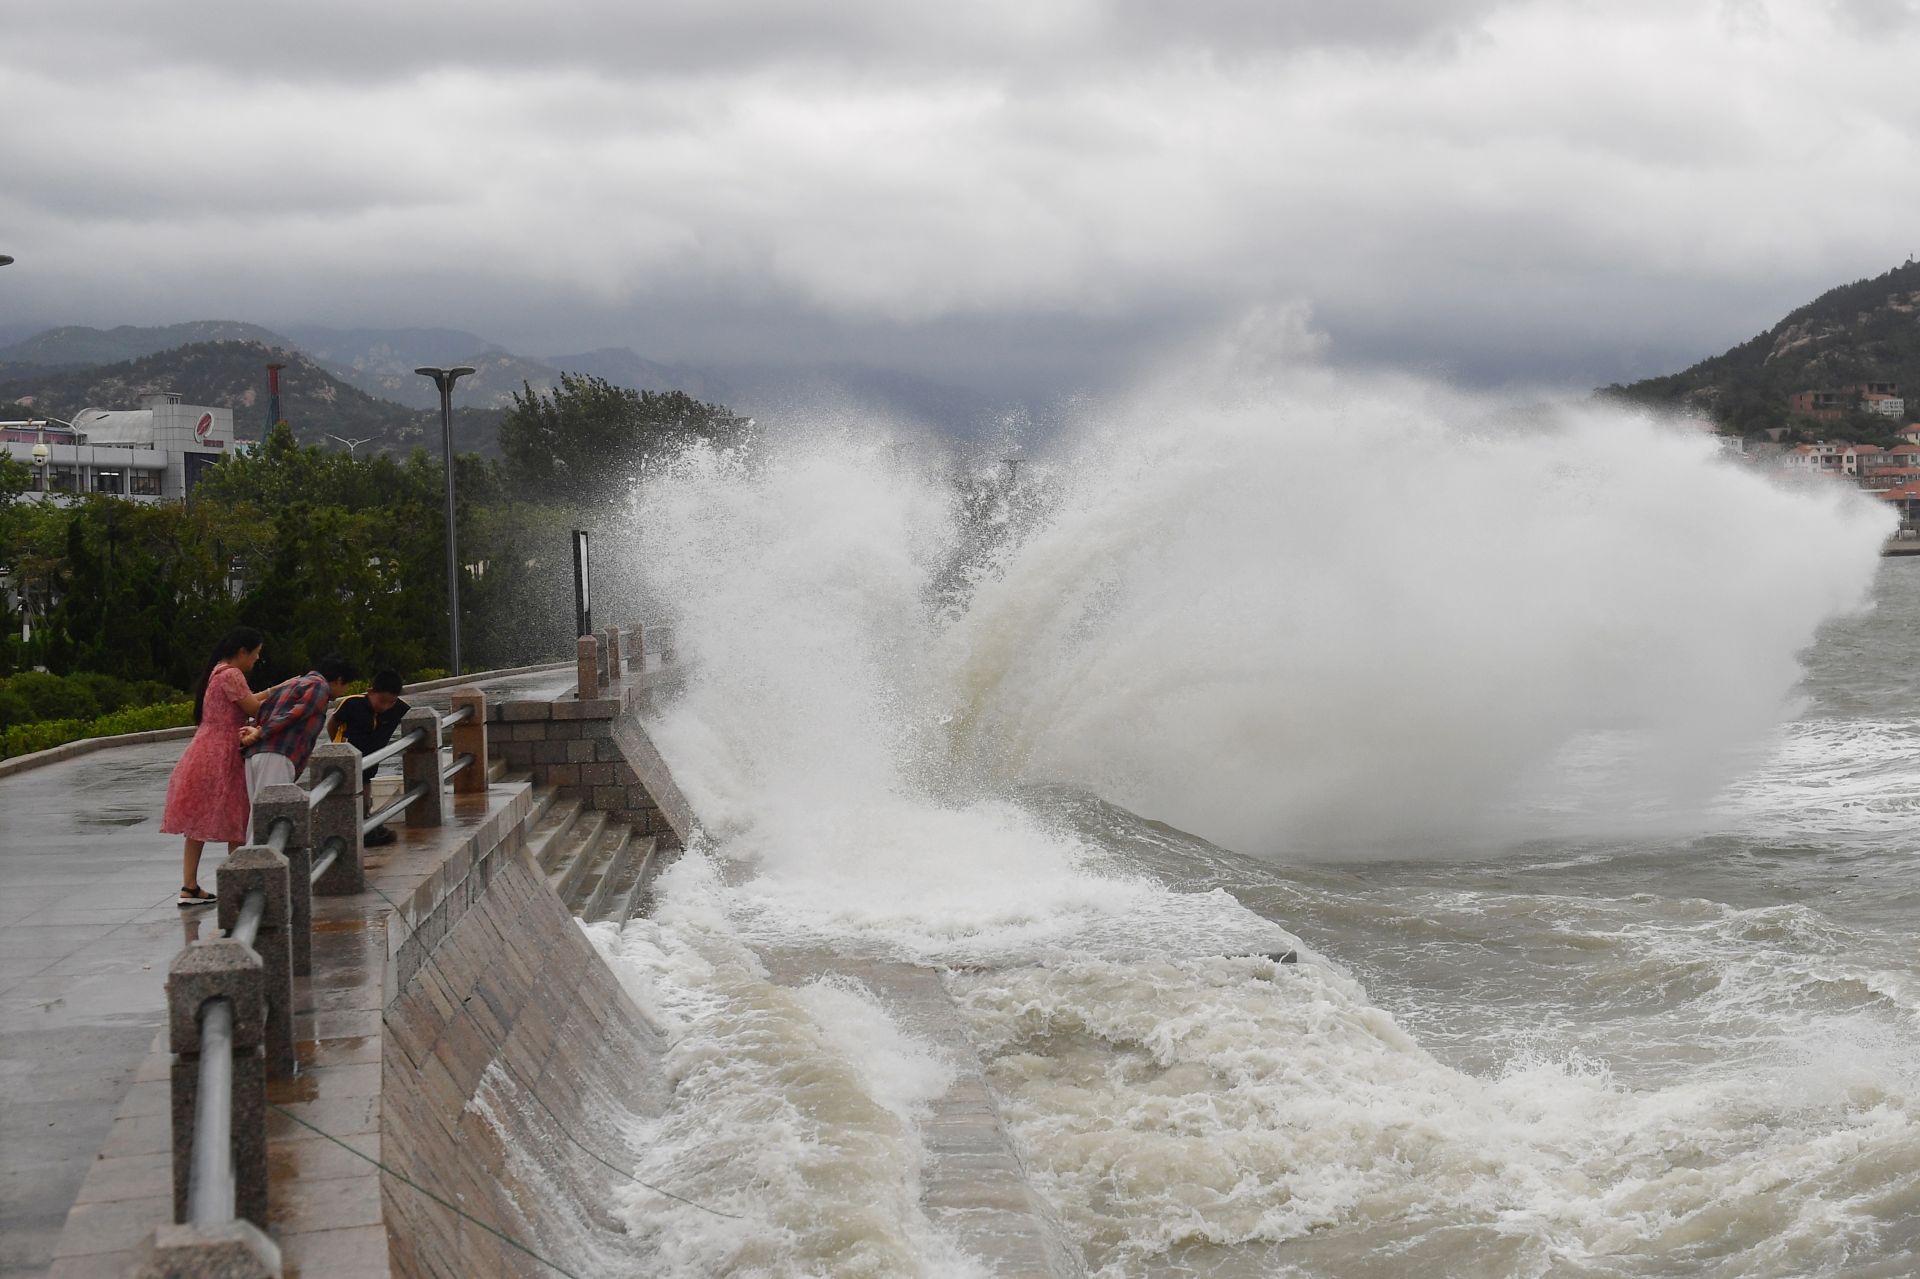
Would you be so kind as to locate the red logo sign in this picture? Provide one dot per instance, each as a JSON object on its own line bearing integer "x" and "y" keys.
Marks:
{"x": 201, "y": 427}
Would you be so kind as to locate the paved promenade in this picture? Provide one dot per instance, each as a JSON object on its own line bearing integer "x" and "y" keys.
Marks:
{"x": 87, "y": 886}
{"x": 87, "y": 889}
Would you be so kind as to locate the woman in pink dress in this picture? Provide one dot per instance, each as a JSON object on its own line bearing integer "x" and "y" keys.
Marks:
{"x": 207, "y": 795}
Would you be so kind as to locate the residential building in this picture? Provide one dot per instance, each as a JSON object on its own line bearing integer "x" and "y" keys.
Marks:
{"x": 1885, "y": 477}
{"x": 1905, "y": 499}
{"x": 1829, "y": 457}
{"x": 1881, "y": 398}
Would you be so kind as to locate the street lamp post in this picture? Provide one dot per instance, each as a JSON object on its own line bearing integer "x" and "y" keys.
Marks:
{"x": 444, "y": 380}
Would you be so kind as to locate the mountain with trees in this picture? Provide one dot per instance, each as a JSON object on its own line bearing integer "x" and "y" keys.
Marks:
{"x": 233, "y": 374}
{"x": 497, "y": 376}
{"x": 75, "y": 346}
{"x": 1867, "y": 331}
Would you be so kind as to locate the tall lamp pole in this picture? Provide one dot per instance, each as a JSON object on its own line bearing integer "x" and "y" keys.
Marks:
{"x": 444, "y": 379}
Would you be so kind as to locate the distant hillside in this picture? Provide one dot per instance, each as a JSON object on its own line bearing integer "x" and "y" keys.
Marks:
{"x": 385, "y": 351}
{"x": 1867, "y": 331}
{"x": 76, "y": 346}
{"x": 381, "y": 362}
{"x": 377, "y": 364}
{"x": 232, "y": 374}
{"x": 496, "y": 376}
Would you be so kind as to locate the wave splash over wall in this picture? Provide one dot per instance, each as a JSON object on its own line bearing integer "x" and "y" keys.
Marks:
{"x": 1324, "y": 623}
{"x": 1318, "y": 623}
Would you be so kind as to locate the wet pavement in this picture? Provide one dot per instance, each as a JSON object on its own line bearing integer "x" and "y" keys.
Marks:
{"x": 88, "y": 927}
{"x": 87, "y": 885}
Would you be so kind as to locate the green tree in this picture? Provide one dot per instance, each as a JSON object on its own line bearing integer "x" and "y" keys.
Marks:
{"x": 587, "y": 440}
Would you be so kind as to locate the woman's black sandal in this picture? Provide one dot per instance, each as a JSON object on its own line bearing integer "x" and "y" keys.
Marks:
{"x": 195, "y": 897}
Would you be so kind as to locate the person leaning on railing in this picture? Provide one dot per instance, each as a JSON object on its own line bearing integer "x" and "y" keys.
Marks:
{"x": 366, "y": 721}
{"x": 290, "y": 720}
{"x": 207, "y": 797}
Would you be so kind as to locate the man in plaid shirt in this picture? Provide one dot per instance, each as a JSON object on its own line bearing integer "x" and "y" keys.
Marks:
{"x": 276, "y": 746}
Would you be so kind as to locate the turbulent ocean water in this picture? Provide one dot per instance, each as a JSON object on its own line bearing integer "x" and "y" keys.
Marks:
{"x": 1581, "y": 767}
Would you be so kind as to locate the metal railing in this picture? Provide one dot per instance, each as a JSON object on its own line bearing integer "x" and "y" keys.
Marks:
{"x": 231, "y": 998}
{"x": 329, "y": 853}
{"x": 210, "y": 1188}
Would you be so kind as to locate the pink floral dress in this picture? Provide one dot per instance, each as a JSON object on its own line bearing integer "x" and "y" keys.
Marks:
{"x": 207, "y": 795}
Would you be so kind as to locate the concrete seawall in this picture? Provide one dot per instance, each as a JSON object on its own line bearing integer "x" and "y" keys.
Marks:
{"x": 508, "y": 1057}
{"x": 470, "y": 1065}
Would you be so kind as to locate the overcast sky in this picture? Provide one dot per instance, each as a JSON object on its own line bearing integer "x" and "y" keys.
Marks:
{"x": 1034, "y": 192}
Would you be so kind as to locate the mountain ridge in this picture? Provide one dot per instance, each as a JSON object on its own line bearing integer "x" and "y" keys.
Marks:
{"x": 1864, "y": 331}
{"x": 379, "y": 363}
{"x": 231, "y": 373}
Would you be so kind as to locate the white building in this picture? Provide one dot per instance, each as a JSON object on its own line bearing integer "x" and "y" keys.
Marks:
{"x": 153, "y": 453}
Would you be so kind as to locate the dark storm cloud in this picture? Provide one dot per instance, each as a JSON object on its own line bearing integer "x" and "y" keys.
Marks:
{"x": 1020, "y": 190}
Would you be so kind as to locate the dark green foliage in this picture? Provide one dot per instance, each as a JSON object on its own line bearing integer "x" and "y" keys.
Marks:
{"x": 24, "y": 739}
{"x": 322, "y": 552}
{"x": 14, "y": 708}
{"x": 587, "y": 440}
{"x": 51, "y": 697}
{"x": 1867, "y": 331}
{"x": 15, "y": 478}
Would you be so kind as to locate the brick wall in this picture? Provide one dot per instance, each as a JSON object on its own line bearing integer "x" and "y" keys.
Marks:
{"x": 575, "y": 746}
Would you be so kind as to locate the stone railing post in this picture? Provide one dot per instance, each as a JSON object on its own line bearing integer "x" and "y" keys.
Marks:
{"x": 637, "y": 648}
{"x": 612, "y": 650}
{"x": 290, "y": 802}
{"x": 419, "y": 763}
{"x": 237, "y": 1250}
{"x": 257, "y": 867}
{"x": 339, "y": 814}
{"x": 221, "y": 969}
{"x": 470, "y": 738}
{"x": 587, "y": 666}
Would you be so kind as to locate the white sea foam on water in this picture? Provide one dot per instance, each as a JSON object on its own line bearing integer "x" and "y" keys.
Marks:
{"x": 1236, "y": 1117}
{"x": 1855, "y": 780}
{"x": 791, "y": 1137}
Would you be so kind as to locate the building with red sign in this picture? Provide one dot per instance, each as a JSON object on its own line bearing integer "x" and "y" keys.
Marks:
{"x": 153, "y": 453}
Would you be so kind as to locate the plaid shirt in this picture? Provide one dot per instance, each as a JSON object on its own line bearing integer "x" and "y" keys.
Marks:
{"x": 291, "y": 718}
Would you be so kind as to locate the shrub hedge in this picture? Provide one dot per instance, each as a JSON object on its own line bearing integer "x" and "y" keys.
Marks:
{"x": 41, "y": 735}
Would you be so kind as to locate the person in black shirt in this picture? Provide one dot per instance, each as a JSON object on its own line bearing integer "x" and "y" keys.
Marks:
{"x": 367, "y": 721}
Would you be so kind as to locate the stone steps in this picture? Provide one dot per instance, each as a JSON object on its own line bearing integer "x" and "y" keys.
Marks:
{"x": 628, "y": 891}
{"x": 598, "y": 866}
{"x": 568, "y": 857}
{"x": 973, "y": 1184}
{"x": 576, "y": 857}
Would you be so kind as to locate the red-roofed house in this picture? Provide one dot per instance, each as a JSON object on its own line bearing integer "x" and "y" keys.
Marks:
{"x": 1906, "y": 500}
{"x": 1884, "y": 477}
{"x": 1829, "y": 458}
